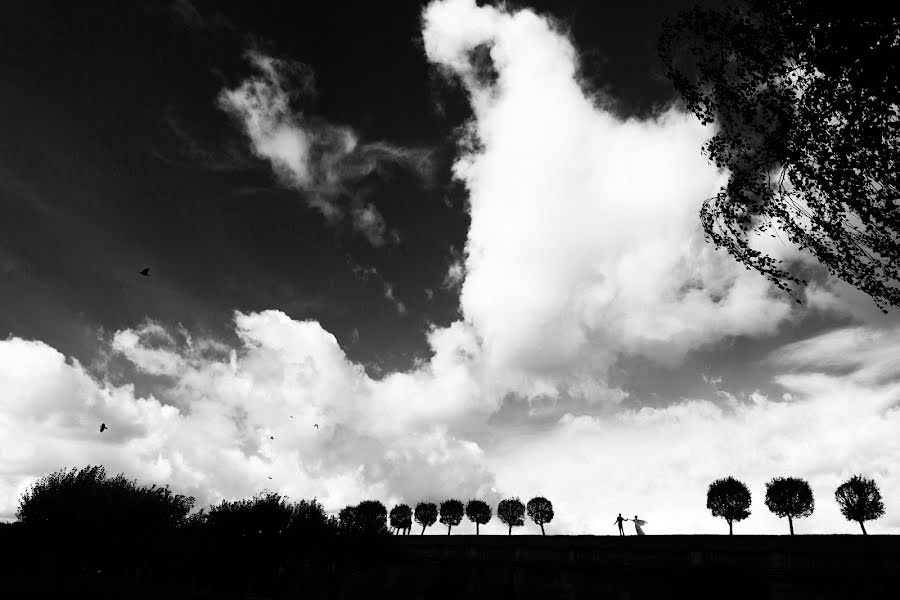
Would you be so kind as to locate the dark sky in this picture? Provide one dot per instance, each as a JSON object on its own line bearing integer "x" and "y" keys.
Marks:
{"x": 115, "y": 156}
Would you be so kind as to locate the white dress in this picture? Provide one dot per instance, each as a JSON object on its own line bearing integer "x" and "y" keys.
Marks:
{"x": 637, "y": 525}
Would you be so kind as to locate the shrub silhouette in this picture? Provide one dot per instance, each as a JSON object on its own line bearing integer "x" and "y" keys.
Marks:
{"x": 790, "y": 497}
{"x": 540, "y": 510}
{"x": 730, "y": 499}
{"x": 308, "y": 520}
{"x": 451, "y": 513}
{"x": 401, "y": 518}
{"x": 84, "y": 500}
{"x": 511, "y": 512}
{"x": 478, "y": 512}
{"x": 860, "y": 500}
{"x": 426, "y": 514}
{"x": 267, "y": 514}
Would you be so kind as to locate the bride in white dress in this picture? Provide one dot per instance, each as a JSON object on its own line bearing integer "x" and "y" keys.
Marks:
{"x": 637, "y": 525}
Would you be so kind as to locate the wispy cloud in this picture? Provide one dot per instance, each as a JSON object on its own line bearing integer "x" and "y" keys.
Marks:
{"x": 365, "y": 274}
{"x": 322, "y": 160}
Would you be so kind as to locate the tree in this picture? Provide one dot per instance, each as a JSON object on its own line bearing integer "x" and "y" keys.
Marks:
{"x": 267, "y": 514}
{"x": 451, "y": 513}
{"x": 371, "y": 517}
{"x": 860, "y": 500}
{"x": 401, "y": 518}
{"x": 426, "y": 514}
{"x": 511, "y": 512}
{"x": 347, "y": 520}
{"x": 540, "y": 510}
{"x": 805, "y": 97}
{"x": 479, "y": 513}
{"x": 790, "y": 497}
{"x": 84, "y": 501}
{"x": 730, "y": 499}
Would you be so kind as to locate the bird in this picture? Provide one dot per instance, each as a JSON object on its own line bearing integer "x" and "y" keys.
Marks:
{"x": 271, "y": 437}
{"x": 292, "y": 416}
{"x": 316, "y": 425}
{"x": 270, "y": 478}
{"x": 103, "y": 427}
{"x": 145, "y": 272}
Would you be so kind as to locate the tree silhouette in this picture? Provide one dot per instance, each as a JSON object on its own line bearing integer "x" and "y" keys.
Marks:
{"x": 730, "y": 499}
{"x": 511, "y": 512}
{"x": 540, "y": 510}
{"x": 451, "y": 513}
{"x": 479, "y": 513}
{"x": 83, "y": 501}
{"x": 371, "y": 517}
{"x": 267, "y": 514}
{"x": 860, "y": 500}
{"x": 426, "y": 514}
{"x": 401, "y": 518}
{"x": 804, "y": 94}
{"x": 347, "y": 520}
{"x": 790, "y": 497}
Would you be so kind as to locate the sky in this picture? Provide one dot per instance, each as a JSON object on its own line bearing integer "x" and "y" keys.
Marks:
{"x": 461, "y": 238}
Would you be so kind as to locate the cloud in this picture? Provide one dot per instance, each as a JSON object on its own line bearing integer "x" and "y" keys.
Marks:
{"x": 325, "y": 161}
{"x": 364, "y": 274}
{"x": 396, "y": 438}
{"x": 585, "y": 242}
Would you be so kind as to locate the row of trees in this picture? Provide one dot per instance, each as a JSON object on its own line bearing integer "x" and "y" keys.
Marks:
{"x": 369, "y": 516}
{"x": 858, "y": 498}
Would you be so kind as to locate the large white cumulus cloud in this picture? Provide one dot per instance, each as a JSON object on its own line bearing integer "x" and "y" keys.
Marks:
{"x": 585, "y": 240}
{"x": 233, "y": 417}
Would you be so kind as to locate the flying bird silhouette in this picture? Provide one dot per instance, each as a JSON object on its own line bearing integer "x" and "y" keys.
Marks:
{"x": 103, "y": 427}
{"x": 270, "y": 478}
{"x": 145, "y": 272}
{"x": 316, "y": 425}
{"x": 271, "y": 437}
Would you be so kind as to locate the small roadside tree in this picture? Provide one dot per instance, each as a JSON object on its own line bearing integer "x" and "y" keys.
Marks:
{"x": 540, "y": 510}
{"x": 451, "y": 513}
{"x": 478, "y": 512}
{"x": 511, "y": 512}
{"x": 860, "y": 500}
{"x": 790, "y": 497}
{"x": 730, "y": 499}
{"x": 426, "y": 514}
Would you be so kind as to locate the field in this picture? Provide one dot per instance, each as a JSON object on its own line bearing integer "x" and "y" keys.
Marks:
{"x": 458, "y": 567}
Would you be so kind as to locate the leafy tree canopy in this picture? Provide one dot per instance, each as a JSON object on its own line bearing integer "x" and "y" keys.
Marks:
{"x": 426, "y": 514}
{"x": 860, "y": 500}
{"x": 401, "y": 517}
{"x": 540, "y": 510}
{"x": 86, "y": 499}
{"x": 451, "y": 512}
{"x": 806, "y": 96}
{"x": 790, "y": 497}
{"x": 728, "y": 498}
{"x": 511, "y": 512}
{"x": 478, "y": 512}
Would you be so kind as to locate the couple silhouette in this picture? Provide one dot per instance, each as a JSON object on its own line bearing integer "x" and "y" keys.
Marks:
{"x": 637, "y": 524}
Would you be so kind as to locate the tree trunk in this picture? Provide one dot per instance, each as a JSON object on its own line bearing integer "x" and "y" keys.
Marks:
{"x": 448, "y": 529}
{"x": 423, "y": 530}
{"x": 510, "y": 530}
{"x": 476, "y": 528}
{"x": 863, "y": 528}
{"x": 730, "y": 532}
{"x": 542, "y": 529}
{"x": 791, "y": 524}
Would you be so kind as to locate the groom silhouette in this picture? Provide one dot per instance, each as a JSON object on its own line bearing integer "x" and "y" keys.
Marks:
{"x": 619, "y": 522}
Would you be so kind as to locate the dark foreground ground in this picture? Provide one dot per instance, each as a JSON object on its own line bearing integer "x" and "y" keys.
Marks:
{"x": 462, "y": 567}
